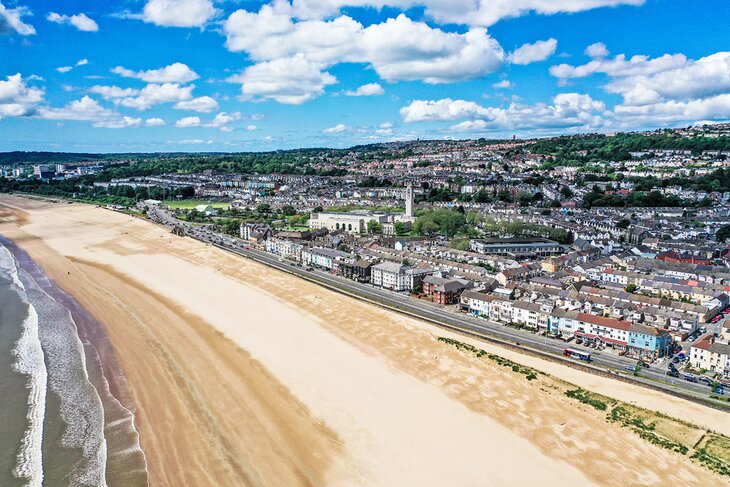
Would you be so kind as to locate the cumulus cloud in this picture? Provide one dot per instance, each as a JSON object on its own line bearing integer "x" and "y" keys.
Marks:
{"x": 157, "y": 94}
{"x": 66, "y": 69}
{"x": 81, "y": 21}
{"x": 661, "y": 90}
{"x": 503, "y": 85}
{"x": 173, "y": 73}
{"x": 293, "y": 80}
{"x": 11, "y": 20}
{"x": 597, "y": 50}
{"x": 203, "y": 104}
{"x": 17, "y": 99}
{"x": 620, "y": 66}
{"x": 531, "y": 53}
{"x": 473, "y": 12}
{"x": 370, "y": 89}
{"x": 113, "y": 92}
{"x": 398, "y": 49}
{"x": 154, "y": 122}
{"x": 178, "y": 13}
{"x": 337, "y": 129}
{"x": 221, "y": 121}
{"x": 567, "y": 110}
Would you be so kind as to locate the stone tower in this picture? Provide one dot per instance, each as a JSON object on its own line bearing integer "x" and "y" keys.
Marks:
{"x": 409, "y": 201}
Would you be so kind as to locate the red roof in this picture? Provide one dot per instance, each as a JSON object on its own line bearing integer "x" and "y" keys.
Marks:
{"x": 612, "y": 340}
{"x": 603, "y": 321}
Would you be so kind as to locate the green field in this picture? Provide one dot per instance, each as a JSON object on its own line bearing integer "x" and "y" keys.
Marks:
{"x": 190, "y": 204}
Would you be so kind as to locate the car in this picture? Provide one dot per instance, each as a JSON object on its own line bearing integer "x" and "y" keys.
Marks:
{"x": 645, "y": 365}
{"x": 675, "y": 360}
{"x": 704, "y": 379}
{"x": 690, "y": 377}
{"x": 719, "y": 390}
{"x": 631, "y": 368}
{"x": 673, "y": 373}
{"x": 578, "y": 341}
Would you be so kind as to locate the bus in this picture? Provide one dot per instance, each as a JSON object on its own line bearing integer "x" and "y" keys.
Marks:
{"x": 569, "y": 352}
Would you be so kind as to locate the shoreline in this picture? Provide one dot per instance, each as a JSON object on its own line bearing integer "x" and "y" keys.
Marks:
{"x": 125, "y": 461}
{"x": 384, "y": 396}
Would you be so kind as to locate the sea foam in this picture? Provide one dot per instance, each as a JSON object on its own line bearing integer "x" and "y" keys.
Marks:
{"x": 28, "y": 360}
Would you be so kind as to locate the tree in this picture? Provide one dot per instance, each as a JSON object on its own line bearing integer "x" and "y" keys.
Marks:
{"x": 723, "y": 234}
{"x": 374, "y": 227}
{"x": 288, "y": 210}
{"x": 623, "y": 224}
{"x": 631, "y": 288}
{"x": 263, "y": 208}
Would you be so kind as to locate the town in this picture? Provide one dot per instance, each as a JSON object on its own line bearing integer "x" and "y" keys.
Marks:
{"x": 609, "y": 249}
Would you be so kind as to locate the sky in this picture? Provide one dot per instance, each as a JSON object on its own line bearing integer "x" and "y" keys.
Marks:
{"x": 244, "y": 75}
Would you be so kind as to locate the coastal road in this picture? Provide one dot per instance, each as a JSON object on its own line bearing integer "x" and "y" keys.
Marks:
{"x": 492, "y": 331}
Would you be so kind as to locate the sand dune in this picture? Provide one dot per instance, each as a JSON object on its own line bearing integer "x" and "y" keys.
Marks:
{"x": 243, "y": 375}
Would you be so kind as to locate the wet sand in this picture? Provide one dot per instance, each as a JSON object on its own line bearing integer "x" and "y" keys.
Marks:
{"x": 243, "y": 375}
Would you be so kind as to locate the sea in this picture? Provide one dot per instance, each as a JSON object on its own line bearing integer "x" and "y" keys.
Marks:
{"x": 66, "y": 417}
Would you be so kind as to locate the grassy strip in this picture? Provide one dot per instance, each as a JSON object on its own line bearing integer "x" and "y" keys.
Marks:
{"x": 528, "y": 372}
{"x": 645, "y": 431}
{"x": 711, "y": 455}
{"x": 587, "y": 398}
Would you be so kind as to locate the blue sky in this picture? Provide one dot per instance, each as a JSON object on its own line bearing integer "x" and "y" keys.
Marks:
{"x": 203, "y": 75}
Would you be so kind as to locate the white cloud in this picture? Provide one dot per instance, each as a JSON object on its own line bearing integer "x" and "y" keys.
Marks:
{"x": 251, "y": 128}
{"x": 292, "y": 80}
{"x": 402, "y": 50}
{"x": 620, "y": 66}
{"x": 471, "y": 12}
{"x": 190, "y": 141}
{"x": 173, "y": 73}
{"x": 337, "y": 129}
{"x": 221, "y": 121}
{"x": 503, "y": 85}
{"x": 178, "y": 13}
{"x": 81, "y": 21}
{"x": 154, "y": 122}
{"x": 662, "y": 90}
{"x": 17, "y": 99}
{"x": 66, "y": 69}
{"x": 156, "y": 94}
{"x": 397, "y": 49}
{"x": 597, "y": 50}
{"x": 87, "y": 109}
{"x": 11, "y": 19}
{"x": 370, "y": 89}
{"x": 440, "y": 110}
{"x": 567, "y": 110}
{"x": 530, "y": 53}
{"x": 113, "y": 92}
{"x": 188, "y": 122}
{"x": 203, "y": 104}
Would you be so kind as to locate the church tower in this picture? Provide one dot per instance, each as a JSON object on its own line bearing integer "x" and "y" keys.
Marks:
{"x": 409, "y": 201}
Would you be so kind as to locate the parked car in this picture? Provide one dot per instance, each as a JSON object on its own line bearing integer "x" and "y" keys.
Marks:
{"x": 719, "y": 390}
{"x": 690, "y": 377}
{"x": 631, "y": 368}
{"x": 645, "y": 365}
{"x": 673, "y": 373}
{"x": 675, "y": 360}
{"x": 704, "y": 379}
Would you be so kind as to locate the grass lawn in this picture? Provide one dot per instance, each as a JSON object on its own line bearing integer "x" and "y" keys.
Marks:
{"x": 190, "y": 204}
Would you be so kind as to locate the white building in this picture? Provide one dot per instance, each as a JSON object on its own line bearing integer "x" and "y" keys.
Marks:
{"x": 397, "y": 277}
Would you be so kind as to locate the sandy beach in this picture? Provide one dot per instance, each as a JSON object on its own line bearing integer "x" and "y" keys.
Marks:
{"x": 243, "y": 375}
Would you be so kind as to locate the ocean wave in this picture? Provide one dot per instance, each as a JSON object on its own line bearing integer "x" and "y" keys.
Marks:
{"x": 79, "y": 403}
{"x": 28, "y": 360}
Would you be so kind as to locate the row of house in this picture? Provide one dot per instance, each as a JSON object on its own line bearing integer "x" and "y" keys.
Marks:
{"x": 633, "y": 338}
